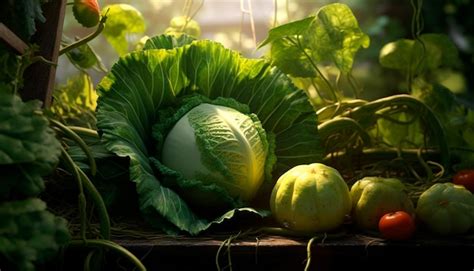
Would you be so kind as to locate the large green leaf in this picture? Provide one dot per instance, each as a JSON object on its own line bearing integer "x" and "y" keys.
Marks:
{"x": 122, "y": 20}
{"x": 337, "y": 36}
{"x": 288, "y": 30}
{"x": 418, "y": 56}
{"x": 167, "y": 42}
{"x": 410, "y": 55}
{"x": 332, "y": 35}
{"x": 144, "y": 82}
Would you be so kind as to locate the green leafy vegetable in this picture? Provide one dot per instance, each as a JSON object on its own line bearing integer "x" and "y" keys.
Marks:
{"x": 28, "y": 147}
{"x": 134, "y": 95}
{"x": 29, "y": 234}
{"x": 223, "y": 147}
{"x": 123, "y": 20}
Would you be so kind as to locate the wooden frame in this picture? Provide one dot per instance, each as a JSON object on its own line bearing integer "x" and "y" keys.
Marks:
{"x": 39, "y": 78}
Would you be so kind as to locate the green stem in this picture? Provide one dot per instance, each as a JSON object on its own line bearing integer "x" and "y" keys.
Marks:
{"x": 332, "y": 110}
{"x": 320, "y": 236}
{"x": 283, "y": 232}
{"x": 72, "y": 135}
{"x": 109, "y": 245}
{"x": 84, "y": 131}
{"x": 315, "y": 67}
{"x": 69, "y": 163}
{"x": 424, "y": 165}
{"x": 308, "y": 252}
{"x": 26, "y": 60}
{"x": 320, "y": 94}
{"x": 227, "y": 243}
{"x": 99, "y": 203}
{"x": 354, "y": 84}
{"x": 332, "y": 126}
{"x": 379, "y": 154}
{"x": 86, "y": 39}
{"x": 416, "y": 29}
{"x": 364, "y": 116}
{"x": 88, "y": 260}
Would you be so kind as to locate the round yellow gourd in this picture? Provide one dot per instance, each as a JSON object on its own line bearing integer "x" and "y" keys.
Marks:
{"x": 310, "y": 198}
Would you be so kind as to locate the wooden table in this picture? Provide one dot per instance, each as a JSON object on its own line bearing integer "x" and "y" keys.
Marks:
{"x": 268, "y": 252}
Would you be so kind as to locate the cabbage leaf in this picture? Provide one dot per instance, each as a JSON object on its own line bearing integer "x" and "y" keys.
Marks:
{"x": 141, "y": 84}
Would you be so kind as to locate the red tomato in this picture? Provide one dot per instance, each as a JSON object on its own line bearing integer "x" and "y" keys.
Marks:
{"x": 465, "y": 178}
{"x": 397, "y": 226}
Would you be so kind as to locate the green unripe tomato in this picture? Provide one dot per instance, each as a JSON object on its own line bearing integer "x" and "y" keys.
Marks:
{"x": 446, "y": 209}
{"x": 86, "y": 12}
{"x": 310, "y": 198}
{"x": 373, "y": 197}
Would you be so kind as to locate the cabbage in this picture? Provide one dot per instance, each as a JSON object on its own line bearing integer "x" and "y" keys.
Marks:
{"x": 218, "y": 144}
{"x": 248, "y": 122}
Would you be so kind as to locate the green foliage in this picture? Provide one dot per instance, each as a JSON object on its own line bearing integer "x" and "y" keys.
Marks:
{"x": 123, "y": 20}
{"x": 284, "y": 54}
{"x": 29, "y": 234}
{"x": 430, "y": 52}
{"x": 84, "y": 57}
{"x": 457, "y": 119}
{"x": 333, "y": 35}
{"x": 183, "y": 25}
{"x": 9, "y": 64}
{"x": 75, "y": 102}
{"x": 401, "y": 129}
{"x": 28, "y": 147}
{"x": 167, "y": 42}
{"x": 28, "y": 12}
{"x": 28, "y": 150}
{"x": 144, "y": 82}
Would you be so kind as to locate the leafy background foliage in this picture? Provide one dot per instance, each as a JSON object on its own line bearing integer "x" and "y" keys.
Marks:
{"x": 29, "y": 149}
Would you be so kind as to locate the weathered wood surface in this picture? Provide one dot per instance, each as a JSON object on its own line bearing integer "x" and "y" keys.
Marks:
{"x": 268, "y": 252}
{"x": 39, "y": 78}
{"x": 12, "y": 40}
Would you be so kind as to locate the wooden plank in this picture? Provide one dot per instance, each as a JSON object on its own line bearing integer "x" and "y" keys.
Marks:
{"x": 269, "y": 252}
{"x": 39, "y": 78}
{"x": 12, "y": 40}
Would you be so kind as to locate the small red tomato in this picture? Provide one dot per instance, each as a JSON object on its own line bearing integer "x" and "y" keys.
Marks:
{"x": 397, "y": 226}
{"x": 465, "y": 178}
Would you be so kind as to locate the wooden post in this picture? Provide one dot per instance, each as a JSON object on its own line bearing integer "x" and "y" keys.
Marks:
{"x": 39, "y": 78}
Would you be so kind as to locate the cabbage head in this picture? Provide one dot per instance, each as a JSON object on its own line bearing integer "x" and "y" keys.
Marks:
{"x": 206, "y": 130}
